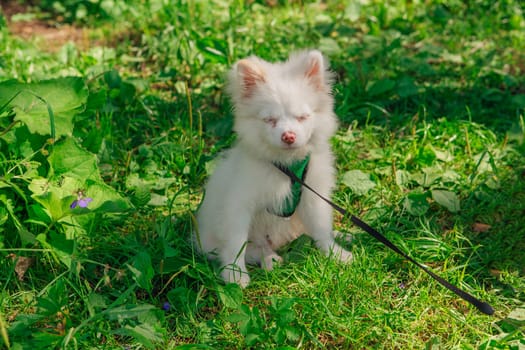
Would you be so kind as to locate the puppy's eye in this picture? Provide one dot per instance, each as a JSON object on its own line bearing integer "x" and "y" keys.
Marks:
{"x": 270, "y": 120}
{"x": 302, "y": 117}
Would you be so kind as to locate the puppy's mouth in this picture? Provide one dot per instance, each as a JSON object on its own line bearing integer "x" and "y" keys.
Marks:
{"x": 290, "y": 147}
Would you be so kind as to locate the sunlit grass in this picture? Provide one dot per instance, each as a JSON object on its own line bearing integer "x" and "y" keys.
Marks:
{"x": 431, "y": 102}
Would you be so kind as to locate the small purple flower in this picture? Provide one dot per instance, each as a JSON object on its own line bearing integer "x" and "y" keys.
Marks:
{"x": 166, "y": 306}
{"x": 81, "y": 201}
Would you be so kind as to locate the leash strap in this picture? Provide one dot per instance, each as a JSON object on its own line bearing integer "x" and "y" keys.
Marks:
{"x": 480, "y": 305}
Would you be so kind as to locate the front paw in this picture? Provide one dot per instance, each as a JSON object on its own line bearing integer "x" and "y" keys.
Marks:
{"x": 233, "y": 274}
{"x": 342, "y": 254}
{"x": 269, "y": 260}
{"x": 345, "y": 237}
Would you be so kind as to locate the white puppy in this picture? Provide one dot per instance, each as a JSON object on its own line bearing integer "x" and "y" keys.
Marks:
{"x": 283, "y": 115}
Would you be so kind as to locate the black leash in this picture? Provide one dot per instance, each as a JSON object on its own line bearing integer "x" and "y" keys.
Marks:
{"x": 480, "y": 305}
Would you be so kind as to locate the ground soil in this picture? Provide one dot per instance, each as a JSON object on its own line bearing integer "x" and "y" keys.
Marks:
{"x": 51, "y": 35}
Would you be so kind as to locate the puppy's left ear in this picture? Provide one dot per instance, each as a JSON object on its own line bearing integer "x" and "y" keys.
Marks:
{"x": 315, "y": 69}
{"x": 250, "y": 74}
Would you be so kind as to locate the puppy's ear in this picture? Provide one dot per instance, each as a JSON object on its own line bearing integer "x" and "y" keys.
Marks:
{"x": 250, "y": 74}
{"x": 315, "y": 69}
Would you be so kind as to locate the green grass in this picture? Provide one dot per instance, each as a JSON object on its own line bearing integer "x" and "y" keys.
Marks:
{"x": 431, "y": 100}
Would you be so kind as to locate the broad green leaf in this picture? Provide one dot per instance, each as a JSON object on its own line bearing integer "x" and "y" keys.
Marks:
{"x": 358, "y": 181}
{"x": 427, "y": 177}
{"x": 230, "y": 295}
{"x": 40, "y": 186}
{"x": 141, "y": 196}
{"x": 403, "y": 178}
{"x": 128, "y": 311}
{"x": 517, "y": 314}
{"x": 63, "y": 248}
{"x": 64, "y": 97}
{"x": 55, "y": 299}
{"x": 169, "y": 251}
{"x": 157, "y": 200}
{"x": 416, "y": 204}
{"x": 144, "y": 333}
{"x": 95, "y": 302}
{"x": 150, "y": 181}
{"x": 483, "y": 163}
{"x": 447, "y": 199}
{"x": 444, "y": 156}
{"x": 238, "y": 317}
{"x": 292, "y": 334}
{"x": 55, "y": 197}
{"x": 105, "y": 198}
{"x": 25, "y": 236}
{"x": 68, "y": 158}
{"x": 73, "y": 169}
{"x": 57, "y": 207}
{"x": 450, "y": 176}
{"x": 39, "y": 215}
{"x": 142, "y": 270}
{"x": 431, "y": 176}
{"x": 515, "y": 320}
{"x": 252, "y": 338}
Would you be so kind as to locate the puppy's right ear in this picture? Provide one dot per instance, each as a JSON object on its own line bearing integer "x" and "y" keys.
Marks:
{"x": 250, "y": 74}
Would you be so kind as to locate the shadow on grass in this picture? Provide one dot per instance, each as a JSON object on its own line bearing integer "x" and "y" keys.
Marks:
{"x": 491, "y": 104}
{"x": 500, "y": 258}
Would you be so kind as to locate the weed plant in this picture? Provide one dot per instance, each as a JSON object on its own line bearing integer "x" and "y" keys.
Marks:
{"x": 105, "y": 149}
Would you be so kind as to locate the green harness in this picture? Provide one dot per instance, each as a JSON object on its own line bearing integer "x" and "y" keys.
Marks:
{"x": 299, "y": 168}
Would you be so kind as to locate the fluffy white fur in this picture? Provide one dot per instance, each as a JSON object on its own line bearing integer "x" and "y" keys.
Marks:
{"x": 283, "y": 112}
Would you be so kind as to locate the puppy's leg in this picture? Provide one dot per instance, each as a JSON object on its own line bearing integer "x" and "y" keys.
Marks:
{"x": 261, "y": 253}
{"x": 234, "y": 266}
{"x": 269, "y": 257}
{"x": 316, "y": 216}
{"x": 231, "y": 233}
